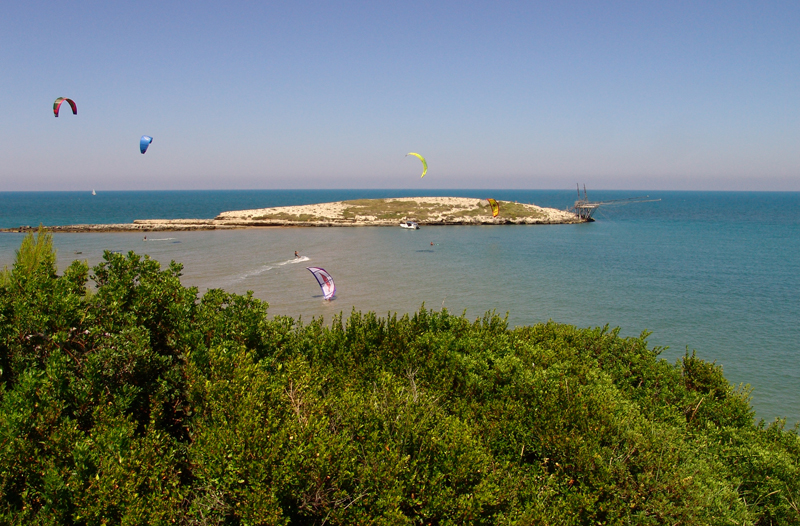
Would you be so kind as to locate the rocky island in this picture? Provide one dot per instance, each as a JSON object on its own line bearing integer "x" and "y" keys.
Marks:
{"x": 359, "y": 212}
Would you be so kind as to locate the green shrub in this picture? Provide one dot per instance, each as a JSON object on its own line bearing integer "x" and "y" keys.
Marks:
{"x": 144, "y": 403}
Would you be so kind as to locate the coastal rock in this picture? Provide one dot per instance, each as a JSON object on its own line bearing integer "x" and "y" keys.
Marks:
{"x": 359, "y": 212}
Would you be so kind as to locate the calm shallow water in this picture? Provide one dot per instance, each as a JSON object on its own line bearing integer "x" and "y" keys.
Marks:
{"x": 715, "y": 272}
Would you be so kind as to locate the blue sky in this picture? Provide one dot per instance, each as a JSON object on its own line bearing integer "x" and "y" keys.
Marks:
{"x": 616, "y": 95}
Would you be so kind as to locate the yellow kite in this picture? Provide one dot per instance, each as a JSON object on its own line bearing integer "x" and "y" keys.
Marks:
{"x": 424, "y": 163}
{"x": 495, "y": 207}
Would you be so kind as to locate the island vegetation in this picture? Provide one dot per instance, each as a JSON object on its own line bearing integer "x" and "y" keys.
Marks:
{"x": 127, "y": 398}
{"x": 390, "y": 211}
{"x": 413, "y": 209}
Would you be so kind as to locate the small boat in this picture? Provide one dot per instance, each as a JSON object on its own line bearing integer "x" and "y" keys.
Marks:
{"x": 409, "y": 224}
{"x": 93, "y": 192}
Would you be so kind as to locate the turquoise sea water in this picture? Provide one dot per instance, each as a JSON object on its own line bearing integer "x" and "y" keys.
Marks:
{"x": 718, "y": 272}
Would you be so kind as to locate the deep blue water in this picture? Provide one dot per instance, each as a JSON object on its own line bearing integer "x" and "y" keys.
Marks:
{"x": 718, "y": 272}
{"x": 62, "y": 208}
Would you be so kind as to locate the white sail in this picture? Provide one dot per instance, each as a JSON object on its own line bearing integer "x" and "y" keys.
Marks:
{"x": 325, "y": 281}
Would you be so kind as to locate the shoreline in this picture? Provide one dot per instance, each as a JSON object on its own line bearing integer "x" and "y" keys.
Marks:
{"x": 426, "y": 211}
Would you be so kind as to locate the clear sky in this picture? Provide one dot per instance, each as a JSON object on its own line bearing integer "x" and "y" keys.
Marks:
{"x": 617, "y": 95}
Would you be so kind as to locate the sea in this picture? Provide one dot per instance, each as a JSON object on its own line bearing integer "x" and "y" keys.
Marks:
{"x": 713, "y": 272}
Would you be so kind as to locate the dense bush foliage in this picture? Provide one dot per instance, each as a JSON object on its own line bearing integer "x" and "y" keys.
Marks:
{"x": 140, "y": 403}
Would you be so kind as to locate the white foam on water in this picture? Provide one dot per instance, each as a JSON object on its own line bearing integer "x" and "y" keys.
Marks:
{"x": 295, "y": 260}
{"x": 269, "y": 266}
{"x": 256, "y": 272}
{"x": 162, "y": 239}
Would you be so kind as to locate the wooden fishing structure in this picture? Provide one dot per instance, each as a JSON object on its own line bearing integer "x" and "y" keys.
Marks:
{"x": 584, "y": 208}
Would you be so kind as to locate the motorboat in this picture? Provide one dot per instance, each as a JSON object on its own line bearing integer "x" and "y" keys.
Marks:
{"x": 409, "y": 224}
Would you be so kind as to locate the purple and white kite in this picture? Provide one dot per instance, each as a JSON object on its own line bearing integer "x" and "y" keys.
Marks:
{"x": 325, "y": 281}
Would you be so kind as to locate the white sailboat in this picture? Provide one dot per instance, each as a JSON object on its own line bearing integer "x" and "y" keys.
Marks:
{"x": 93, "y": 192}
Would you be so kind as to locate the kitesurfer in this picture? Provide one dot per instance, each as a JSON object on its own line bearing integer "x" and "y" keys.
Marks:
{"x": 296, "y": 255}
